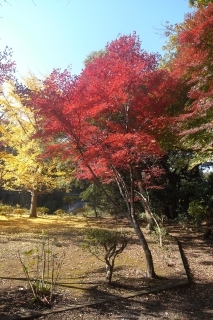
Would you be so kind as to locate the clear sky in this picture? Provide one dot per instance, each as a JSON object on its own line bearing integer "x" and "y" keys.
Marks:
{"x": 47, "y": 34}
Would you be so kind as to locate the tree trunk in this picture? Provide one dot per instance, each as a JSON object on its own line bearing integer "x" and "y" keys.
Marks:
{"x": 109, "y": 272}
{"x": 146, "y": 207}
{"x": 132, "y": 217}
{"x": 149, "y": 261}
{"x": 33, "y": 206}
{"x": 131, "y": 214}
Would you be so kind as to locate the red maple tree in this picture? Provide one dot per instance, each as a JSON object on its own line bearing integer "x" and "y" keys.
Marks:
{"x": 111, "y": 119}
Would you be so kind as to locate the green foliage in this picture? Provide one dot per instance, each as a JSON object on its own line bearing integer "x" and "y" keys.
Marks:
{"x": 103, "y": 237}
{"x": 171, "y": 33}
{"x": 99, "y": 237}
{"x": 199, "y": 212}
{"x": 42, "y": 266}
{"x": 159, "y": 234}
{"x": 197, "y": 3}
{"x": 99, "y": 202}
{"x": 94, "y": 55}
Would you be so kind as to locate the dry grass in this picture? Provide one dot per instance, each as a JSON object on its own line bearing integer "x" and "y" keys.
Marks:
{"x": 81, "y": 271}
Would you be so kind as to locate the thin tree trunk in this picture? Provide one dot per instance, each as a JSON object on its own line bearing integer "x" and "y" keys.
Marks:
{"x": 149, "y": 261}
{"x": 135, "y": 225}
{"x": 144, "y": 203}
{"x": 109, "y": 272}
{"x": 129, "y": 199}
{"x": 33, "y": 206}
{"x": 131, "y": 214}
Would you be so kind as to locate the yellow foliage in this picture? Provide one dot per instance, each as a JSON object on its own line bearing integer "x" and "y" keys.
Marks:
{"x": 22, "y": 166}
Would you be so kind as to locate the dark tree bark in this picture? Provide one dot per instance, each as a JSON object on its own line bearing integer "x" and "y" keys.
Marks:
{"x": 33, "y": 206}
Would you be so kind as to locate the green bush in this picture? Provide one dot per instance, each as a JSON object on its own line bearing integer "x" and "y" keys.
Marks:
{"x": 198, "y": 212}
{"x": 105, "y": 245}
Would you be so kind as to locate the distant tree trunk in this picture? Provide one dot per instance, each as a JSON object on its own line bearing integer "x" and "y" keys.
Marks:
{"x": 33, "y": 206}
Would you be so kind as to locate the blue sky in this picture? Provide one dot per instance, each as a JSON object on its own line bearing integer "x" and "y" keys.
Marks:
{"x": 47, "y": 34}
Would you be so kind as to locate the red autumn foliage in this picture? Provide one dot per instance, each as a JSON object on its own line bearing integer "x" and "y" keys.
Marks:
{"x": 113, "y": 114}
{"x": 194, "y": 66}
{"x": 110, "y": 120}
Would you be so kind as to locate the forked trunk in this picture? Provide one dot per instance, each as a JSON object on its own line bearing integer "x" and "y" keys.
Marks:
{"x": 146, "y": 207}
{"x": 149, "y": 261}
{"x": 33, "y": 206}
{"x": 131, "y": 216}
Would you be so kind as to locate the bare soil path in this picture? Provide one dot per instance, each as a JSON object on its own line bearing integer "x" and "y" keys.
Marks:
{"x": 83, "y": 276}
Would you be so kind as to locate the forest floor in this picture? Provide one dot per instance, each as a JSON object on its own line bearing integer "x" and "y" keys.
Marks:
{"x": 82, "y": 277}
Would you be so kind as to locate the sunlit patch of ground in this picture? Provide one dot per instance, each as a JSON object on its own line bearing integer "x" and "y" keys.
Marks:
{"x": 52, "y": 224}
{"x": 82, "y": 274}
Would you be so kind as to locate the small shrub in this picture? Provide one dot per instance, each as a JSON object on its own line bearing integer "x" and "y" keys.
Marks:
{"x": 42, "y": 210}
{"x": 106, "y": 246}
{"x": 19, "y": 211}
{"x": 59, "y": 212}
{"x": 159, "y": 234}
{"x": 6, "y": 210}
{"x": 142, "y": 216}
{"x": 198, "y": 212}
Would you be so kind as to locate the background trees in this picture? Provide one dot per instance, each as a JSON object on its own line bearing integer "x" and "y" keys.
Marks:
{"x": 192, "y": 65}
{"x": 24, "y": 168}
{"x": 197, "y": 3}
{"x": 190, "y": 62}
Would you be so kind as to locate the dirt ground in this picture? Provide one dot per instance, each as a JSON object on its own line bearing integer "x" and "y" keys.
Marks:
{"x": 82, "y": 277}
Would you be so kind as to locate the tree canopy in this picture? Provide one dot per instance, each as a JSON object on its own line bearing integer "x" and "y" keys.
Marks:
{"x": 197, "y": 3}
{"x": 7, "y": 66}
{"x": 130, "y": 119}
{"x": 25, "y": 169}
{"x": 192, "y": 65}
{"x": 113, "y": 117}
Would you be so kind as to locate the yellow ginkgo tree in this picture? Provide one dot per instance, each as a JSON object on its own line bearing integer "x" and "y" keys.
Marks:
{"x": 24, "y": 167}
